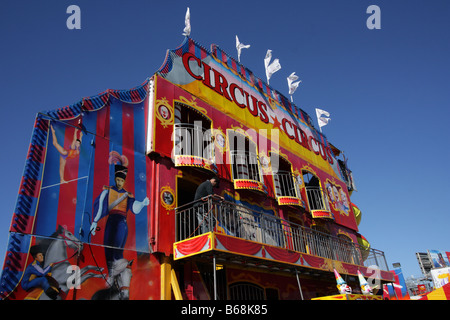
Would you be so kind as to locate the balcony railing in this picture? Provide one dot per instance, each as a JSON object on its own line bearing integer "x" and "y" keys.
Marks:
{"x": 212, "y": 215}
{"x": 245, "y": 165}
{"x": 315, "y": 199}
{"x": 284, "y": 184}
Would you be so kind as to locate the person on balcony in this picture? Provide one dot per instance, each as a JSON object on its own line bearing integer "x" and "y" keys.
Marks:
{"x": 205, "y": 217}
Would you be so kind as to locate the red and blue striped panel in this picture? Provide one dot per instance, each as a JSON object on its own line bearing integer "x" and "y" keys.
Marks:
{"x": 113, "y": 120}
{"x": 120, "y": 127}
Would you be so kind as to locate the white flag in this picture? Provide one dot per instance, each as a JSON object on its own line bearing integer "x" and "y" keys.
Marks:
{"x": 271, "y": 68}
{"x": 187, "y": 23}
{"x": 322, "y": 118}
{"x": 239, "y": 47}
{"x": 291, "y": 84}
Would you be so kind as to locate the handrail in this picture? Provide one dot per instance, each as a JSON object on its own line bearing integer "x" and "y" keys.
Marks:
{"x": 217, "y": 215}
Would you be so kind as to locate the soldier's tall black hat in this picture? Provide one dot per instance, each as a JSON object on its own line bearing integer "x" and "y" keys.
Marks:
{"x": 120, "y": 171}
{"x": 34, "y": 250}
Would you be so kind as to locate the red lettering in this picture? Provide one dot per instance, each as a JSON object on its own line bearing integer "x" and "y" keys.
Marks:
{"x": 263, "y": 115}
{"x": 254, "y": 106}
{"x": 207, "y": 76}
{"x": 283, "y": 123}
{"x": 298, "y": 138}
{"x": 246, "y": 97}
{"x": 322, "y": 151}
{"x": 304, "y": 139}
{"x": 186, "y": 58}
{"x": 233, "y": 88}
{"x": 314, "y": 145}
{"x": 254, "y": 109}
{"x": 221, "y": 84}
{"x": 330, "y": 157}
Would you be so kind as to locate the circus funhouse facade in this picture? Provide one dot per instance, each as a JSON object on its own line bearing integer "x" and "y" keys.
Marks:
{"x": 106, "y": 207}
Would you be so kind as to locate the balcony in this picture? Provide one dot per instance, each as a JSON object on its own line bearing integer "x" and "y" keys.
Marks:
{"x": 221, "y": 226}
{"x": 318, "y": 203}
{"x": 285, "y": 188}
{"x": 246, "y": 174}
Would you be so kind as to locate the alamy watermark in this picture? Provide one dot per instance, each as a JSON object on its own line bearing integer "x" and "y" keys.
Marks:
{"x": 375, "y": 276}
{"x": 194, "y": 140}
{"x": 374, "y": 20}
{"x": 74, "y": 20}
{"x": 74, "y": 280}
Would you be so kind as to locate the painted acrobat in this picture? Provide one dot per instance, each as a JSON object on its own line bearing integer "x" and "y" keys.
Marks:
{"x": 71, "y": 153}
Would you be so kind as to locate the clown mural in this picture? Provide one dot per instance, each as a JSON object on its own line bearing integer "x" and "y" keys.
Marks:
{"x": 338, "y": 198}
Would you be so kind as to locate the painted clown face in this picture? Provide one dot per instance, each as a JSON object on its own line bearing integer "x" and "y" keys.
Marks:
{"x": 345, "y": 289}
{"x": 366, "y": 289}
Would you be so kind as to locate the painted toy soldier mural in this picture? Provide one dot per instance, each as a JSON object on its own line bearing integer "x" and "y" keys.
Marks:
{"x": 115, "y": 202}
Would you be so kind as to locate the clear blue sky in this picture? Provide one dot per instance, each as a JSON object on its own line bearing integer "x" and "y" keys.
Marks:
{"x": 387, "y": 90}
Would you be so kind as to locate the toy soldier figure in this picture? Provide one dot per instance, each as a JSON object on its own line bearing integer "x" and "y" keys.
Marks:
{"x": 36, "y": 276}
{"x": 115, "y": 202}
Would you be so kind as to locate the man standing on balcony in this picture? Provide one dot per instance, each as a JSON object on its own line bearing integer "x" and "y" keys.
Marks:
{"x": 203, "y": 205}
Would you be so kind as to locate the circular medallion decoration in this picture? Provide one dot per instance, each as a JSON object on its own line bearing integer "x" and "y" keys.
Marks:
{"x": 164, "y": 112}
{"x": 167, "y": 198}
{"x": 220, "y": 140}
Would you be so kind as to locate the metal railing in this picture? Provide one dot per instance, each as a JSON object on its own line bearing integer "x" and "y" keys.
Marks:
{"x": 284, "y": 184}
{"x": 245, "y": 165}
{"x": 212, "y": 214}
{"x": 193, "y": 140}
{"x": 315, "y": 199}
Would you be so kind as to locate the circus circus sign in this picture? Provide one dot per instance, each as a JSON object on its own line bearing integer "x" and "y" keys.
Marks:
{"x": 247, "y": 98}
{"x": 257, "y": 107}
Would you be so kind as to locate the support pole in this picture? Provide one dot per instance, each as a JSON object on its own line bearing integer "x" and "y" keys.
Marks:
{"x": 215, "y": 277}
{"x": 299, "y": 285}
{"x": 175, "y": 286}
{"x": 166, "y": 268}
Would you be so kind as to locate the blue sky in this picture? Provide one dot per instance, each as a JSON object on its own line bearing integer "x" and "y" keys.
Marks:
{"x": 387, "y": 89}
